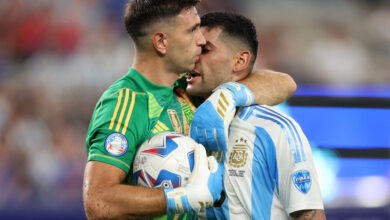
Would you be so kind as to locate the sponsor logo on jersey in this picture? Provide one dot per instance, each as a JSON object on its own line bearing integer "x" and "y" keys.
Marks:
{"x": 175, "y": 121}
{"x": 302, "y": 180}
{"x": 116, "y": 144}
{"x": 238, "y": 157}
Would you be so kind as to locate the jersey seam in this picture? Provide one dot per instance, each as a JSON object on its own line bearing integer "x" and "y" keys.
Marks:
{"x": 131, "y": 90}
{"x": 97, "y": 113}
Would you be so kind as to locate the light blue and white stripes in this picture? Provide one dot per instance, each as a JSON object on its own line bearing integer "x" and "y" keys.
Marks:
{"x": 288, "y": 127}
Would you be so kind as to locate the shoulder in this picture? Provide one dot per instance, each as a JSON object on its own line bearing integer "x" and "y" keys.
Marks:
{"x": 124, "y": 83}
{"x": 120, "y": 95}
{"x": 116, "y": 100}
{"x": 281, "y": 128}
{"x": 266, "y": 116}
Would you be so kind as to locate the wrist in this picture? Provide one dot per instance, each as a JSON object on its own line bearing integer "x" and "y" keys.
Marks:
{"x": 171, "y": 207}
{"x": 242, "y": 95}
{"x": 177, "y": 201}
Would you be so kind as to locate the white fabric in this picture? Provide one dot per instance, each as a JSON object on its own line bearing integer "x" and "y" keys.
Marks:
{"x": 265, "y": 149}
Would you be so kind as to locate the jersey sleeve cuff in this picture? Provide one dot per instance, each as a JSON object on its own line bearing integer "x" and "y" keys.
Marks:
{"x": 110, "y": 160}
{"x": 305, "y": 206}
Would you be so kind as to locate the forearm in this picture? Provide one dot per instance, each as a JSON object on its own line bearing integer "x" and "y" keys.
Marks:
{"x": 270, "y": 87}
{"x": 308, "y": 215}
{"x": 126, "y": 202}
{"x": 106, "y": 198}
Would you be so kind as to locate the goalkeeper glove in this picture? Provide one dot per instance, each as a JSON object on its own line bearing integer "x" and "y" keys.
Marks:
{"x": 203, "y": 188}
{"x": 211, "y": 121}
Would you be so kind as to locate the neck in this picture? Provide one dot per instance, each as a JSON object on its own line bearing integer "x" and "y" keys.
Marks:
{"x": 154, "y": 69}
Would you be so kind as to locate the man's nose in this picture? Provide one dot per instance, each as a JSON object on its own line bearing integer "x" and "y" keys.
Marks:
{"x": 201, "y": 40}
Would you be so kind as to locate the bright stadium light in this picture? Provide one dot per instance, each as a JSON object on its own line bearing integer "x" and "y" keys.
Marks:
{"x": 372, "y": 191}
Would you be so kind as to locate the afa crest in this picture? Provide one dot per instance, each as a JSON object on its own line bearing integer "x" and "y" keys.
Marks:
{"x": 238, "y": 157}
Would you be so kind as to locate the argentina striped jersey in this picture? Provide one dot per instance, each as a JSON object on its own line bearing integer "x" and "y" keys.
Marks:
{"x": 269, "y": 170}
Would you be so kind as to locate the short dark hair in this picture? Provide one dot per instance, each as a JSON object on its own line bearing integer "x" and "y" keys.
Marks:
{"x": 140, "y": 13}
{"x": 234, "y": 25}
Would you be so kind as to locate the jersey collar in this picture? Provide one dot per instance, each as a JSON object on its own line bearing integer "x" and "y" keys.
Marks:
{"x": 147, "y": 85}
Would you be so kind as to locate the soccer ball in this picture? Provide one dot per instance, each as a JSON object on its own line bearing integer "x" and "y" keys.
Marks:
{"x": 164, "y": 161}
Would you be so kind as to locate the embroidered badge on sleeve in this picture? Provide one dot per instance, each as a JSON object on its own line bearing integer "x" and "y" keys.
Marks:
{"x": 116, "y": 144}
{"x": 302, "y": 180}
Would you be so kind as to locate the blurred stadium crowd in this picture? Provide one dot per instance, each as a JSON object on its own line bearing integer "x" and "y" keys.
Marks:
{"x": 57, "y": 57}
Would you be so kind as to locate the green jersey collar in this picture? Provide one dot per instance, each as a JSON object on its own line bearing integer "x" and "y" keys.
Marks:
{"x": 147, "y": 85}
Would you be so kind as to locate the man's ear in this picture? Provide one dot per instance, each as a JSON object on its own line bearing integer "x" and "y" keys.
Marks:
{"x": 241, "y": 62}
{"x": 160, "y": 43}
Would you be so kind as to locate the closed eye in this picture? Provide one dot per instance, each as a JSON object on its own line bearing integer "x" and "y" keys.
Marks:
{"x": 205, "y": 50}
{"x": 207, "y": 47}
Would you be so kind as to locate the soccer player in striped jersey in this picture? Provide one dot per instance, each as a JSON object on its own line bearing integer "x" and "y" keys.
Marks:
{"x": 146, "y": 101}
{"x": 269, "y": 170}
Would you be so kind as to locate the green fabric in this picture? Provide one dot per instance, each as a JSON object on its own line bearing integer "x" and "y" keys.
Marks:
{"x": 154, "y": 108}
{"x": 185, "y": 216}
{"x": 138, "y": 109}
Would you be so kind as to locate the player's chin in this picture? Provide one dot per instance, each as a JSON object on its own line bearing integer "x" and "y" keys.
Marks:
{"x": 191, "y": 90}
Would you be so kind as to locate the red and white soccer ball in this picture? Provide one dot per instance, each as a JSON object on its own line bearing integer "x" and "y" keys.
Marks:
{"x": 164, "y": 161}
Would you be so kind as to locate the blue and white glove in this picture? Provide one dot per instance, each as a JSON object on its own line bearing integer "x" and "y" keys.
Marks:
{"x": 211, "y": 121}
{"x": 203, "y": 188}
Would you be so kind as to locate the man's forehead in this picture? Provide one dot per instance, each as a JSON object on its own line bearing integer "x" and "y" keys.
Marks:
{"x": 211, "y": 34}
{"x": 189, "y": 13}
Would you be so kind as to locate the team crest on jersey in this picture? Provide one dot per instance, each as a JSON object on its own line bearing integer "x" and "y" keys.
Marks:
{"x": 238, "y": 157}
{"x": 175, "y": 121}
{"x": 116, "y": 144}
{"x": 302, "y": 180}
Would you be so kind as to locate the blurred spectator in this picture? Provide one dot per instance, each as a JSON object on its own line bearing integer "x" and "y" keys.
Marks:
{"x": 377, "y": 33}
{"x": 336, "y": 58}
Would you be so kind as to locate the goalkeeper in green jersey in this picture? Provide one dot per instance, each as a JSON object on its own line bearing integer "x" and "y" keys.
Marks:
{"x": 150, "y": 99}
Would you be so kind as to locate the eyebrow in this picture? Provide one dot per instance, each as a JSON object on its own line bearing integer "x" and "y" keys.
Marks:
{"x": 194, "y": 26}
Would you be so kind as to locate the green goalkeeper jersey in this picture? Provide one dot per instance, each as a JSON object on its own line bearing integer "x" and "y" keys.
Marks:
{"x": 129, "y": 112}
